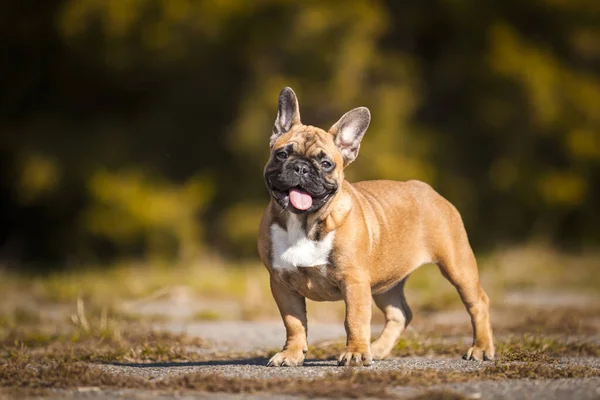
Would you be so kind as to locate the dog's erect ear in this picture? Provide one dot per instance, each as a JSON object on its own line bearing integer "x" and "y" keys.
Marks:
{"x": 349, "y": 131}
{"x": 288, "y": 113}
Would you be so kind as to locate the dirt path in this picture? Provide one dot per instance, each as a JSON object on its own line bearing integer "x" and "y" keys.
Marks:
{"x": 248, "y": 338}
{"x": 254, "y": 336}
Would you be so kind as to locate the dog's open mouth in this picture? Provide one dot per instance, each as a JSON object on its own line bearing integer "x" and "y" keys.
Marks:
{"x": 298, "y": 197}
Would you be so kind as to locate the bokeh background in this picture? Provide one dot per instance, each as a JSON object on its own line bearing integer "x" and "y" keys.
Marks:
{"x": 133, "y": 133}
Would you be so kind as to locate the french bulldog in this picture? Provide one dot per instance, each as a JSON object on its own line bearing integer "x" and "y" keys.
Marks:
{"x": 325, "y": 239}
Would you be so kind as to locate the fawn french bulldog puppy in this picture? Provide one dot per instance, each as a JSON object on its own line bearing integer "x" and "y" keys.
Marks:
{"x": 326, "y": 239}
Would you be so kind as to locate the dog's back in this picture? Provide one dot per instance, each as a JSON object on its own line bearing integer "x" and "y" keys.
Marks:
{"x": 415, "y": 225}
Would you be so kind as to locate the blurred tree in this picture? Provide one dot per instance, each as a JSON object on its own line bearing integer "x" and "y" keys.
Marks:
{"x": 112, "y": 109}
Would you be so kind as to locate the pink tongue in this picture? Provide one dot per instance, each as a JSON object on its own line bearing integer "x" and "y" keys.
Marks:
{"x": 300, "y": 200}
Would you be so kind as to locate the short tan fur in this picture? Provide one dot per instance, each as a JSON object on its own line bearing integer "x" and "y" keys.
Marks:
{"x": 380, "y": 232}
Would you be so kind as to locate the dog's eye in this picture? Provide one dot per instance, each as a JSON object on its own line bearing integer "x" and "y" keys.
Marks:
{"x": 326, "y": 165}
{"x": 282, "y": 155}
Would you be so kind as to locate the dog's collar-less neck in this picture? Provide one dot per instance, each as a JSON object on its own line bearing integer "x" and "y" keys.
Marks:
{"x": 292, "y": 247}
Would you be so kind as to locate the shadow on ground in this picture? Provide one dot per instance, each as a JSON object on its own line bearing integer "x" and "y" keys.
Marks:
{"x": 247, "y": 361}
{"x": 255, "y": 361}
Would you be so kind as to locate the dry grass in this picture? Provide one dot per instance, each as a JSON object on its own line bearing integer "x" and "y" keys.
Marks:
{"x": 89, "y": 336}
{"x": 540, "y": 348}
{"x": 33, "y": 363}
{"x": 514, "y": 269}
{"x": 540, "y": 267}
{"x": 440, "y": 395}
{"x": 552, "y": 320}
{"x": 524, "y": 348}
{"x": 43, "y": 373}
{"x": 40, "y": 353}
{"x": 130, "y": 347}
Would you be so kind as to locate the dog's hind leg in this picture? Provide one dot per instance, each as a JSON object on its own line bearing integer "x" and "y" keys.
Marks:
{"x": 460, "y": 268}
{"x": 397, "y": 317}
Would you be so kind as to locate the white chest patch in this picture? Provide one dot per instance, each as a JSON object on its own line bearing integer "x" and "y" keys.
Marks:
{"x": 293, "y": 249}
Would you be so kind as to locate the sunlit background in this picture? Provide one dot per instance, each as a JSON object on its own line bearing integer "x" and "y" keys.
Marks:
{"x": 133, "y": 134}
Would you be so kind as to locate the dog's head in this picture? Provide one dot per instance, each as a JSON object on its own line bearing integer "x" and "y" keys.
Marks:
{"x": 306, "y": 165}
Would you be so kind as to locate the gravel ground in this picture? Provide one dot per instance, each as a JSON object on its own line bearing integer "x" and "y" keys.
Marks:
{"x": 559, "y": 389}
{"x": 522, "y": 389}
{"x": 255, "y": 367}
{"x": 245, "y": 336}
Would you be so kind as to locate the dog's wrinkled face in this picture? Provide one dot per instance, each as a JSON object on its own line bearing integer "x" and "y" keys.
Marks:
{"x": 306, "y": 166}
{"x": 304, "y": 170}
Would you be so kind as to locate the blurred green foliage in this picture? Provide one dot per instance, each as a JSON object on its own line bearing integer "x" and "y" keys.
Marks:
{"x": 140, "y": 127}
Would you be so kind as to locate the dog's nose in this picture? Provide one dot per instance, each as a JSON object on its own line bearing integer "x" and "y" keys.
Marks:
{"x": 301, "y": 167}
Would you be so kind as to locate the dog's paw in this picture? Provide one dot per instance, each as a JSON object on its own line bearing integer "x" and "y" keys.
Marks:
{"x": 354, "y": 359}
{"x": 287, "y": 358}
{"x": 479, "y": 353}
{"x": 381, "y": 349}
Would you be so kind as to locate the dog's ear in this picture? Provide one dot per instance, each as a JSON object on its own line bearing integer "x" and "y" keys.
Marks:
{"x": 288, "y": 113}
{"x": 349, "y": 131}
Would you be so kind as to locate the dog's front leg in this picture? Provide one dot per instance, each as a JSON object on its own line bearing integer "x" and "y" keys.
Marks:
{"x": 293, "y": 312}
{"x": 357, "y": 296}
